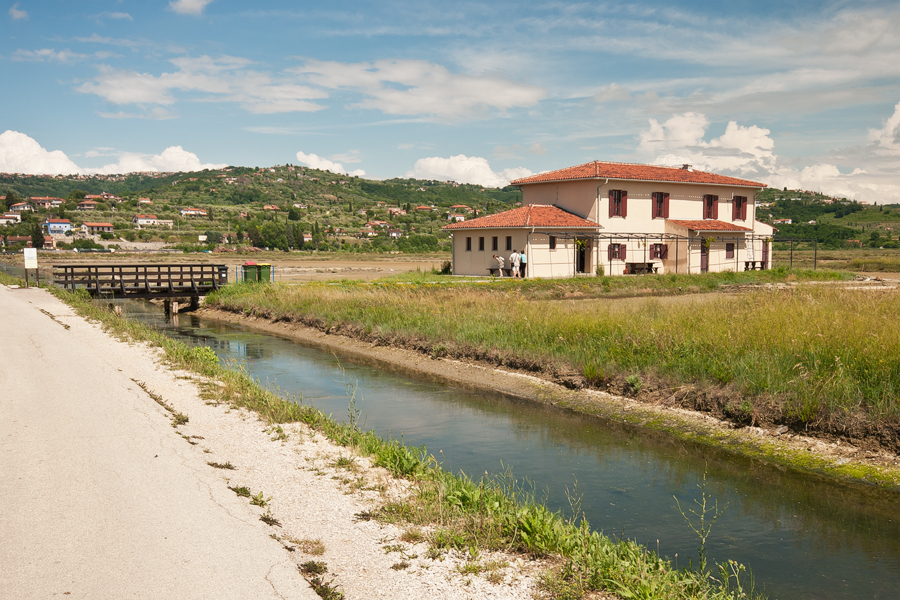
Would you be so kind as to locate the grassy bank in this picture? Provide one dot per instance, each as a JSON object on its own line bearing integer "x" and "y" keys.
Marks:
{"x": 472, "y": 516}
{"x": 813, "y": 357}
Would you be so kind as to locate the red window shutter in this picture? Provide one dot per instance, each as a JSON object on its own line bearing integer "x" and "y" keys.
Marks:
{"x": 622, "y": 251}
{"x": 624, "y": 203}
{"x": 715, "y": 204}
{"x": 736, "y": 208}
{"x": 654, "y": 249}
{"x": 609, "y": 252}
{"x": 612, "y": 203}
{"x": 665, "y": 205}
{"x": 664, "y": 251}
{"x": 744, "y": 209}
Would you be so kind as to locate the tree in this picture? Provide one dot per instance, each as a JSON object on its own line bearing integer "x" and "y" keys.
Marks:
{"x": 37, "y": 235}
{"x": 11, "y": 198}
{"x": 76, "y": 194}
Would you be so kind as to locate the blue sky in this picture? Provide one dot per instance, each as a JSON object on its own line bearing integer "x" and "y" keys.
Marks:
{"x": 798, "y": 94}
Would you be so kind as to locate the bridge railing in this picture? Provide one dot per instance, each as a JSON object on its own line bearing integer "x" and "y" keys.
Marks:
{"x": 142, "y": 281}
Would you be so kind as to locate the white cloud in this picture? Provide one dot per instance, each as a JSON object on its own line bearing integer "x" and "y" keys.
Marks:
{"x": 21, "y": 154}
{"x": 118, "y": 15}
{"x": 46, "y": 54}
{"x": 17, "y": 14}
{"x": 188, "y": 7}
{"x": 317, "y": 162}
{"x": 222, "y": 79}
{"x": 415, "y": 87}
{"x": 465, "y": 169}
{"x": 173, "y": 158}
{"x": 888, "y": 137}
{"x": 748, "y": 152}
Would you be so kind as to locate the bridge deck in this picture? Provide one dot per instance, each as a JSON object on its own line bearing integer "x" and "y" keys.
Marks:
{"x": 142, "y": 280}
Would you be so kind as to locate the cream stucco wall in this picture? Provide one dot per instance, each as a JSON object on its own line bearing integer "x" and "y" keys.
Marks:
{"x": 542, "y": 261}
{"x": 590, "y": 199}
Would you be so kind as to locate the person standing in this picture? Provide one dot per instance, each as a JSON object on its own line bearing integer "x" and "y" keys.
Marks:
{"x": 500, "y": 262}
{"x": 514, "y": 263}
{"x": 523, "y": 264}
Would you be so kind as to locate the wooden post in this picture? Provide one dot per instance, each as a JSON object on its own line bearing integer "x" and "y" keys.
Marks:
{"x": 174, "y": 308}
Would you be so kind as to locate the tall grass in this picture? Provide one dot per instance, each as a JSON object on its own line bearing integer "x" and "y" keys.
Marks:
{"x": 815, "y": 353}
{"x": 495, "y": 513}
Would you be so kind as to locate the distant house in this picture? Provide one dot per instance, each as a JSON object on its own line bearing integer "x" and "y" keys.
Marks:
{"x": 46, "y": 202}
{"x": 461, "y": 208}
{"x": 456, "y": 218}
{"x": 8, "y": 218}
{"x": 782, "y": 221}
{"x": 395, "y": 212}
{"x": 87, "y": 205}
{"x": 145, "y": 201}
{"x": 395, "y": 234}
{"x": 193, "y": 212}
{"x": 57, "y": 226}
{"x": 423, "y": 208}
{"x": 21, "y": 207}
{"x": 144, "y": 220}
{"x": 95, "y": 228}
{"x": 270, "y": 207}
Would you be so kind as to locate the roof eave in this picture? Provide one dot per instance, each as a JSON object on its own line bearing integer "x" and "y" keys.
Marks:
{"x": 519, "y": 185}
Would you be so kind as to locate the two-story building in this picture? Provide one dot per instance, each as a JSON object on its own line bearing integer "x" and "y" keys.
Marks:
{"x": 57, "y": 226}
{"x": 619, "y": 218}
{"x": 193, "y": 212}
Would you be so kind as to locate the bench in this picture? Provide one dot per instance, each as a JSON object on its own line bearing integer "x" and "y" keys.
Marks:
{"x": 641, "y": 268}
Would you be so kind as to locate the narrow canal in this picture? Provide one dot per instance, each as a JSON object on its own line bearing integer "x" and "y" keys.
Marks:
{"x": 801, "y": 536}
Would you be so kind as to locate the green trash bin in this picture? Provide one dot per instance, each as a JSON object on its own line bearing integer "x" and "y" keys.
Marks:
{"x": 251, "y": 271}
{"x": 265, "y": 272}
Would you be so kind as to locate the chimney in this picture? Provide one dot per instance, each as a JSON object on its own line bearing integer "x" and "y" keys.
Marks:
{"x": 687, "y": 167}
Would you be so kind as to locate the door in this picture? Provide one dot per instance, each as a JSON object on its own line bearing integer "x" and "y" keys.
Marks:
{"x": 580, "y": 254}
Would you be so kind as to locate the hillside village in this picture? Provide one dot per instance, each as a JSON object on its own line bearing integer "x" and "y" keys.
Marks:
{"x": 283, "y": 207}
{"x": 297, "y": 208}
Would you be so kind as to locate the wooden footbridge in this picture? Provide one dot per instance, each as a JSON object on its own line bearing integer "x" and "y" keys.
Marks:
{"x": 143, "y": 280}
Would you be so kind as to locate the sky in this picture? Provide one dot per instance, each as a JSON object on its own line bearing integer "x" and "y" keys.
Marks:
{"x": 801, "y": 94}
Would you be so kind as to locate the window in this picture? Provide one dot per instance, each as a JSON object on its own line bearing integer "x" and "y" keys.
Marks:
{"x": 616, "y": 251}
{"x": 494, "y": 244}
{"x": 729, "y": 250}
{"x": 553, "y": 242}
{"x": 481, "y": 244}
{"x": 468, "y": 244}
{"x": 660, "y": 205}
{"x": 710, "y": 207}
{"x": 739, "y": 208}
{"x": 618, "y": 203}
{"x": 509, "y": 242}
{"x": 660, "y": 251}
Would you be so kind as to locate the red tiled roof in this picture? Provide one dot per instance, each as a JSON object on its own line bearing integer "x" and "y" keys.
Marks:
{"x": 533, "y": 215}
{"x": 98, "y": 224}
{"x": 709, "y": 225}
{"x": 611, "y": 170}
{"x": 59, "y": 221}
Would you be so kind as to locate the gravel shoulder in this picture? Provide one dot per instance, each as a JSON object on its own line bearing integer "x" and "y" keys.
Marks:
{"x": 104, "y": 496}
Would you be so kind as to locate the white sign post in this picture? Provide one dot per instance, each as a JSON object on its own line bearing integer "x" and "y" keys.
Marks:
{"x": 31, "y": 263}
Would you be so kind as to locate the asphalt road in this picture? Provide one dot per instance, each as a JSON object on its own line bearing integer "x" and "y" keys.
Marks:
{"x": 99, "y": 496}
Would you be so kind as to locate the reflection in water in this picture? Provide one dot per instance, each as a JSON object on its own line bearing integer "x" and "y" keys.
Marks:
{"x": 802, "y": 536}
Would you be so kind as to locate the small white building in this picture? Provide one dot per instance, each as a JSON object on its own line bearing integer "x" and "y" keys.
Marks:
{"x": 95, "y": 228}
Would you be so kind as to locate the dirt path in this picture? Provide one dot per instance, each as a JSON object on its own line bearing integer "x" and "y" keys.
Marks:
{"x": 103, "y": 497}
